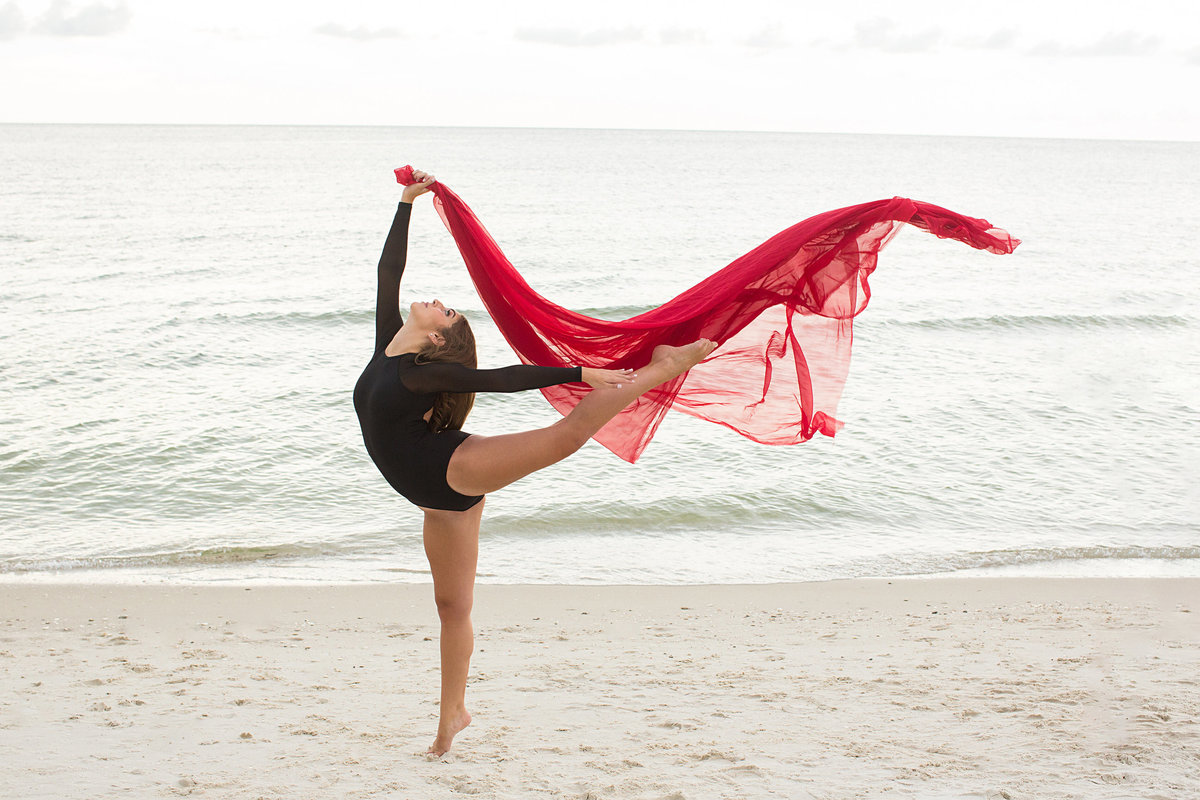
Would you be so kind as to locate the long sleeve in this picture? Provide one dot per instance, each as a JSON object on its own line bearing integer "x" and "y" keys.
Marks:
{"x": 442, "y": 377}
{"x": 391, "y": 268}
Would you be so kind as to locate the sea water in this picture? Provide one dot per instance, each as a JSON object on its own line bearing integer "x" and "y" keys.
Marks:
{"x": 186, "y": 310}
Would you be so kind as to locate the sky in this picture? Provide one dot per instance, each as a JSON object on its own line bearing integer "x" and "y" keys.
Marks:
{"x": 1045, "y": 68}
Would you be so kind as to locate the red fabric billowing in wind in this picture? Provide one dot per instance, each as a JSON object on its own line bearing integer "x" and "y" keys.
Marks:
{"x": 781, "y": 316}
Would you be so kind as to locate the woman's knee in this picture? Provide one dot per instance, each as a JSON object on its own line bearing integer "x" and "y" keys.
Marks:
{"x": 570, "y": 436}
{"x": 453, "y": 607}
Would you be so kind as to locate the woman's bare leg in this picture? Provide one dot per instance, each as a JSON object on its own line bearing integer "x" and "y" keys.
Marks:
{"x": 483, "y": 464}
{"x": 452, "y": 547}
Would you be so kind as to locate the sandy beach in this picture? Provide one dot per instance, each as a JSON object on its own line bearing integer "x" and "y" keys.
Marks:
{"x": 933, "y": 688}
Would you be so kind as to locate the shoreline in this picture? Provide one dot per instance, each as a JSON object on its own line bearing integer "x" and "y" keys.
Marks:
{"x": 915, "y": 686}
{"x": 386, "y": 573}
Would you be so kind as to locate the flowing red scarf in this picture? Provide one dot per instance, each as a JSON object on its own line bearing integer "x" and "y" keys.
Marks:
{"x": 781, "y": 315}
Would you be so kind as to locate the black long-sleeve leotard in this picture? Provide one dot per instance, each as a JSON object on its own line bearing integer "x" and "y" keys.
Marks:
{"x": 394, "y": 393}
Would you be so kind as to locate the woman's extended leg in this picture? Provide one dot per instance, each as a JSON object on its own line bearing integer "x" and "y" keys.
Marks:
{"x": 452, "y": 547}
{"x": 483, "y": 464}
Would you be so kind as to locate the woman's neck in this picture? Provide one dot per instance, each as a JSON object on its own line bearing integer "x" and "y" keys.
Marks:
{"x": 407, "y": 340}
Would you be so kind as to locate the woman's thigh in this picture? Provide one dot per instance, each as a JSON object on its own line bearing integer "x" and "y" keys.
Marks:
{"x": 452, "y": 546}
{"x": 483, "y": 464}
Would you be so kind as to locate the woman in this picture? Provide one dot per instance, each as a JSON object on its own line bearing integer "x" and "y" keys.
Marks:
{"x": 412, "y": 400}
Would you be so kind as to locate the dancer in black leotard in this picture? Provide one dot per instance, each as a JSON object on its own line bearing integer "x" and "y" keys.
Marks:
{"x": 411, "y": 401}
{"x": 392, "y": 398}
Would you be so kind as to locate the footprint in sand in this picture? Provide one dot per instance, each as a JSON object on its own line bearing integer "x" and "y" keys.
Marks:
{"x": 678, "y": 726}
{"x": 751, "y": 768}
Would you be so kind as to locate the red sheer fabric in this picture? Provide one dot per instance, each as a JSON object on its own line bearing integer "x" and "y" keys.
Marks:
{"x": 782, "y": 316}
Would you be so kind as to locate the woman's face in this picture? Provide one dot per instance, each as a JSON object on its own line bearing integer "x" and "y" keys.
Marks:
{"x": 432, "y": 315}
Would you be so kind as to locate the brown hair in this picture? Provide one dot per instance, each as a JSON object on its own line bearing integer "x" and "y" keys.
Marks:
{"x": 450, "y": 409}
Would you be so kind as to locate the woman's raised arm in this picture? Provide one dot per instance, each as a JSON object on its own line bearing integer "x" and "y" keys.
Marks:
{"x": 391, "y": 264}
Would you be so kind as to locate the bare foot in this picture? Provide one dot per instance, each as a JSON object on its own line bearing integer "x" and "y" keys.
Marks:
{"x": 681, "y": 359}
{"x": 447, "y": 729}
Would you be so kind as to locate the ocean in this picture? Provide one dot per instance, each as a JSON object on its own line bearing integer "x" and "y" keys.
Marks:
{"x": 186, "y": 310}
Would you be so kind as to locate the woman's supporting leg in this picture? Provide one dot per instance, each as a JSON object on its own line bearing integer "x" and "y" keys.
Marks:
{"x": 452, "y": 547}
{"x": 483, "y": 464}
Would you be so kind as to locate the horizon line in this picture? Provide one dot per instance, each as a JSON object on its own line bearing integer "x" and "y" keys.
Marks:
{"x": 599, "y": 129}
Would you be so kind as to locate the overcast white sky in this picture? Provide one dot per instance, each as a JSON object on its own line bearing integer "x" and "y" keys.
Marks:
{"x": 1013, "y": 68}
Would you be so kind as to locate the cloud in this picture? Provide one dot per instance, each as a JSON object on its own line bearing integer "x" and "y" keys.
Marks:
{"x": 769, "y": 38}
{"x": 999, "y": 40}
{"x": 1193, "y": 56}
{"x": 359, "y": 34}
{"x": 682, "y": 36}
{"x": 96, "y": 19}
{"x": 236, "y": 34}
{"x": 1125, "y": 43}
{"x": 880, "y": 34}
{"x": 12, "y": 21}
{"x": 568, "y": 37}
